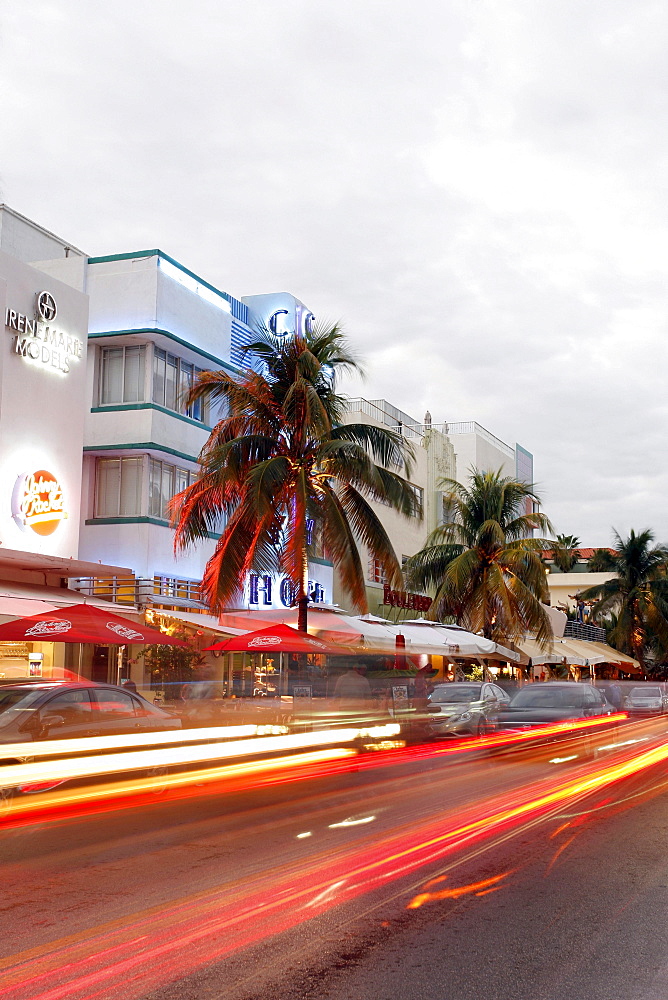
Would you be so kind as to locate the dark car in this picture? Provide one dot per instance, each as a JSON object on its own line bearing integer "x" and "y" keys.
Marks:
{"x": 53, "y": 710}
{"x": 541, "y": 704}
{"x": 461, "y": 708}
{"x": 56, "y": 710}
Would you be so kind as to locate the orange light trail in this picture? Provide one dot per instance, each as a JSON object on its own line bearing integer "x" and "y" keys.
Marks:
{"x": 145, "y": 950}
{"x": 458, "y": 891}
{"x": 195, "y": 783}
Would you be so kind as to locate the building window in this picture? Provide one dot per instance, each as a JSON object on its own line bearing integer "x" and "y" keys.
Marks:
{"x": 164, "y": 481}
{"x": 376, "y": 574}
{"x": 122, "y": 375}
{"x": 419, "y": 500}
{"x": 173, "y": 379}
{"x": 119, "y": 481}
{"x": 118, "y": 487}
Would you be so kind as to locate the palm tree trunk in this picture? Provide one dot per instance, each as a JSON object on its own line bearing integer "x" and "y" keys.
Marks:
{"x": 302, "y": 601}
{"x": 302, "y": 613}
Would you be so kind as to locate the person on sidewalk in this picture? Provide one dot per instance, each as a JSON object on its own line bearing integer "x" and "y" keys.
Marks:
{"x": 353, "y": 685}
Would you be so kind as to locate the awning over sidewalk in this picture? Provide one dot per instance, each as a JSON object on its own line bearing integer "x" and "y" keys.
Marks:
{"x": 606, "y": 654}
{"x": 578, "y": 652}
{"x": 423, "y": 636}
{"x": 336, "y": 625}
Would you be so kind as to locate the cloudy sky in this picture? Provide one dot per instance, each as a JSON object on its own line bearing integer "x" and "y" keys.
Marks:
{"x": 476, "y": 188}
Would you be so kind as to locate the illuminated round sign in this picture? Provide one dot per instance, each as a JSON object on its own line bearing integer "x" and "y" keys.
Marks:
{"x": 46, "y": 307}
{"x": 38, "y": 503}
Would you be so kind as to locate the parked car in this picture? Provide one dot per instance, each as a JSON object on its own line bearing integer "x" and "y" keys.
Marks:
{"x": 31, "y": 711}
{"x": 646, "y": 699}
{"x": 461, "y": 708}
{"x": 57, "y": 710}
{"x": 555, "y": 701}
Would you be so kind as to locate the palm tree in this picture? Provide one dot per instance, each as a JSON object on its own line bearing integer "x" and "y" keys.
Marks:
{"x": 487, "y": 573}
{"x": 565, "y": 552}
{"x": 280, "y": 463}
{"x": 602, "y": 561}
{"x": 637, "y": 595}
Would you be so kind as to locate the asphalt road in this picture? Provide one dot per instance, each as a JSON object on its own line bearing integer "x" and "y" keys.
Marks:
{"x": 434, "y": 879}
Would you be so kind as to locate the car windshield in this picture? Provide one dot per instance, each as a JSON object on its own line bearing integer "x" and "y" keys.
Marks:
{"x": 644, "y": 692}
{"x": 456, "y": 693}
{"x": 545, "y": 696}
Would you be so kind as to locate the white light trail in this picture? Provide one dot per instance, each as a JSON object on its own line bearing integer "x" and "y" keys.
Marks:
{"x": 352, "y": 822}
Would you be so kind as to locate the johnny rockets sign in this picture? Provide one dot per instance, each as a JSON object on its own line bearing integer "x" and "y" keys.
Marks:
{"x": 38, "y": 502}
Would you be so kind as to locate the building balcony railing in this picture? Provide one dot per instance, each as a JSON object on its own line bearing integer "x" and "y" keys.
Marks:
{"x": 143, "y": 592}
{"x": 580, "y": 630}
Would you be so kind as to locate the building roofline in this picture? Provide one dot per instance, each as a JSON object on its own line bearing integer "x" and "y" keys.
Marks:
{"x": 156, "y": 252}
{"x": 47, "y": 232}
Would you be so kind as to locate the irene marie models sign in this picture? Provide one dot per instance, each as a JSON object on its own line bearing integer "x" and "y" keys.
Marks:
{"x": 38, "y": 340}
{"x": 38, "y": 502}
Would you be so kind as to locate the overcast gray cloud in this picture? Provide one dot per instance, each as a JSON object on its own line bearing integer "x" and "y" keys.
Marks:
{"x": 477, "y": 189}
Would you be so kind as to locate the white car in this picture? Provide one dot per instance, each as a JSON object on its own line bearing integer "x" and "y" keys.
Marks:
{"x": 457, "y": 709}
{"x": 646, "y": 699}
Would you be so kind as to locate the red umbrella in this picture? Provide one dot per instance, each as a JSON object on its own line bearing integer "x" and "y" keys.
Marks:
{"x": 277, "y": 639}
{"x": 83, "y": 623}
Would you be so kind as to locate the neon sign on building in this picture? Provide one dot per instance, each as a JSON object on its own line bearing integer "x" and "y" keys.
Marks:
{"x": 38, "y": 502}
{"x": 38, "y": 341}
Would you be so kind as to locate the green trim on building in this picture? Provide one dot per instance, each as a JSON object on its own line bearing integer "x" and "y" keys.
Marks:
{"x": 160, "y": 522}
{"x": 320, "y": 562}
{"x": 160, "y": 253}
{"x": 170, "y": 336}
{"x": 152, "y": 406}
{"x": 142, "y": 446}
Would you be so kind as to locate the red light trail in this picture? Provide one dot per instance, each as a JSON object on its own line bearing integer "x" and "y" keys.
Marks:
{"x": 149, "y": 948}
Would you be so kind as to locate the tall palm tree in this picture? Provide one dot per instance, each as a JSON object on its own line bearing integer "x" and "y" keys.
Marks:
{"x": 487, "y": 573}
{"x": 279, "y": 459}
{"x": 637, "y": 595}
{"x": 565, "y": 552}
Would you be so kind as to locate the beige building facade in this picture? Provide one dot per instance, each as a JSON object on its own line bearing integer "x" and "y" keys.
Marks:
{"x": 564, "y": 587}
{"x": 434, "y": 459}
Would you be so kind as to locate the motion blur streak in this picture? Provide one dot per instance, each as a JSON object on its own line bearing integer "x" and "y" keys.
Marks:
{"x": 61, "y": 801}
{"x": 557, "y": 854}
{"x": 193, "y": 784}
{"x": 23, "y": 774}
{"x": 455, "y": 893}
{"x": 89, "y": 744}
{"x": 137, "y": 954}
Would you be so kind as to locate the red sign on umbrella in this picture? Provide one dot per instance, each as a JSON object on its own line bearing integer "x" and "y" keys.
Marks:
{"x": 277, "y": 639}
{"x": 83, "y": 623}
